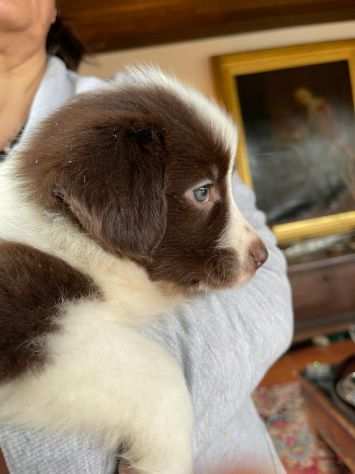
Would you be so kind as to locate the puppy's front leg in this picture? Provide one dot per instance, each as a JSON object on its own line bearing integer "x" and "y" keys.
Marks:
{"x": 160, "y": 426}
{"x": 160, "y": 438}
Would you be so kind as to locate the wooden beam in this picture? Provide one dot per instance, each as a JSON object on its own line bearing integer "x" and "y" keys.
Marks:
{"x": 106, "y": 25}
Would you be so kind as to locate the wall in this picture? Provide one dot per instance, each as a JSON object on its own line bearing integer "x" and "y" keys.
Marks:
{"x": 190, "y": 61}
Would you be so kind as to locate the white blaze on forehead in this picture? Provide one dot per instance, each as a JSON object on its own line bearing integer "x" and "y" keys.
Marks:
{"x": 216, "y": 119}
{"x": 238, "y": 233}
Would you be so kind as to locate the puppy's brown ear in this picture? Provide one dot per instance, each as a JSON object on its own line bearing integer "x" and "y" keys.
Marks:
{"x": 115, "y": 190}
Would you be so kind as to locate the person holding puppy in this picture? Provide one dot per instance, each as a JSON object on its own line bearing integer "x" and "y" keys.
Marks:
{"x": 224, "y": 342}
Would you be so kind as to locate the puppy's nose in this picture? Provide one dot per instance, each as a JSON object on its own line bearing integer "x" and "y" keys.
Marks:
{"x": 258, "y": 253}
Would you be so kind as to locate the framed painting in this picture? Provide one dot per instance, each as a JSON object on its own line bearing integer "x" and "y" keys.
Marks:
{"x": 294, "y": 107}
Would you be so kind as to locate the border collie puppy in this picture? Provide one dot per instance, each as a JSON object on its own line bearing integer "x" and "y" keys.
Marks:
{"x": 117, "y": 208}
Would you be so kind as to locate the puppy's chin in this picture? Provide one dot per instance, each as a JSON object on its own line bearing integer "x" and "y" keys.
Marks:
{"x": 173, "y": 293}
{"x": 233, "y": 272}
{"x": 218, "y": 274}
{"x": 243, "y": 278}
{"x": 236, "y": 280}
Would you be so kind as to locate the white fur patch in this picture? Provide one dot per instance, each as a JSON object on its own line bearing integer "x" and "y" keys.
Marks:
{"x": 238, "y": 233}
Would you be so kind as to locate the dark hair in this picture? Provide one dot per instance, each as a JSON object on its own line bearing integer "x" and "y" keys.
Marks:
{"x": 62, "y": 42}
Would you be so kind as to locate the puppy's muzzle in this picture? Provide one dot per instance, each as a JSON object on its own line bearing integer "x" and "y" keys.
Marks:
{"x": 258, "y": 253}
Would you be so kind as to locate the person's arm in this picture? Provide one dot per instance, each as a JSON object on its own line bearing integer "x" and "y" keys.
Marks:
{"x": 226, "y": 341}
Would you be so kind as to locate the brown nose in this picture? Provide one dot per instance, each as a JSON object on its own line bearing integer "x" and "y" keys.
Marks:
{"x": 258, "y": 253}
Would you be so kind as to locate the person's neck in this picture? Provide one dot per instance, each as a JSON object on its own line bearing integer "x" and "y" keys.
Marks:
{"x": 19, "y": 81}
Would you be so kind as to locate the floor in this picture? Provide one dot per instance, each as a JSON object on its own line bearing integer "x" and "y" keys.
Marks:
{"x": 280, "y": 403}
{"x": 288, "y": 367}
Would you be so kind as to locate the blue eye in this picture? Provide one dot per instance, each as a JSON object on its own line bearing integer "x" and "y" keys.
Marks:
{"x": 201, "y": 194}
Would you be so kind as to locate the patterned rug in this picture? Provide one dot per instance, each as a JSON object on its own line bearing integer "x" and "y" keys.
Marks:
{"x": 282, "y": 408}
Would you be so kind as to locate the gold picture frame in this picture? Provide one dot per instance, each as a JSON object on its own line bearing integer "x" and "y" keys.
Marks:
{"x": 228, "y": 68}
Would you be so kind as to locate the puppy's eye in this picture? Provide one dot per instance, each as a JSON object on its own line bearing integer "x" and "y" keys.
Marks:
{"x": 201, "y": 194}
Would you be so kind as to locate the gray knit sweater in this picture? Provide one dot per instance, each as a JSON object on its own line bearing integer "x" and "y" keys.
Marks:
{"x": 224, "y": 343}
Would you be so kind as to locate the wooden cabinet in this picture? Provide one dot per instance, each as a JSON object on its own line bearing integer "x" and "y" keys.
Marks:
{"x": 337, "y": 431}
{"x": 323, "y": 295}
{"x": 116, "y": 25}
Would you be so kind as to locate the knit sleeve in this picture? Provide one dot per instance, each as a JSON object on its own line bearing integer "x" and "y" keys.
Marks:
{"x": 226, "y": 341}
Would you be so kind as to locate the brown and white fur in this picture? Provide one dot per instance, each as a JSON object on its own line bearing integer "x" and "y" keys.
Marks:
{"x": 102, "y": 228}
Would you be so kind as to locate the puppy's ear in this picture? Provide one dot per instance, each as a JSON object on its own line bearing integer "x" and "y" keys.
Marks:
{"x": 116, "y": 191}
